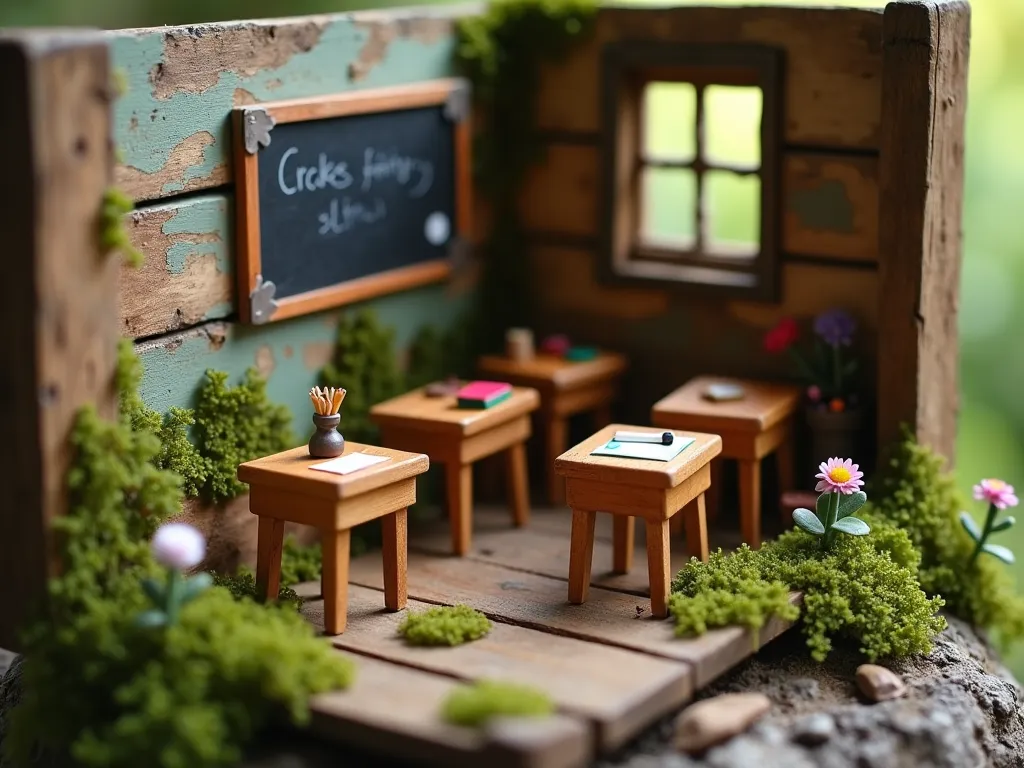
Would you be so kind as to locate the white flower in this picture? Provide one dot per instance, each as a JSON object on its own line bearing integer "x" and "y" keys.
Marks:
{"x": 178, "y": 545}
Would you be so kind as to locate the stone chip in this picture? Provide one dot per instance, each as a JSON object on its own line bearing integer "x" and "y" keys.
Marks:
{"x": 879, "y": 684}
{"x": 718, "y": 719}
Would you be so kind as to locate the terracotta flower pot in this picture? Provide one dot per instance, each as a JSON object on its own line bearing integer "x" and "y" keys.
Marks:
{"x": 835, "y": 434}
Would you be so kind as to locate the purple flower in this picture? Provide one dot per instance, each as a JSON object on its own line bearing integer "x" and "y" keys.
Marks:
{"x": 835, "y": 327}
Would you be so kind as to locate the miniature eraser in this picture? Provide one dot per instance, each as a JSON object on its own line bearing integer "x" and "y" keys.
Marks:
{"x": 662, "y": 438}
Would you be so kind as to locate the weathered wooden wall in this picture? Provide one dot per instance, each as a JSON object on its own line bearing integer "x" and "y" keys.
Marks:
{"x": 171, "y": 125}
{"x": 832, "y": 105}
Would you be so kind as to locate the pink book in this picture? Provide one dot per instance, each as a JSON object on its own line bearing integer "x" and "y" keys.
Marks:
{"x": 483, "y": 394}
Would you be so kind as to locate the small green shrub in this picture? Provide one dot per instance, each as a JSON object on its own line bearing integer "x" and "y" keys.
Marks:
{"x": 864, "y": 590}
{"x": 242, "y": 586}
{"x": 476, "y": 704}
{"x": 300, "y": 563}
{"x": 916, "y": 495}
{"x": 444, "y": 625}
{"x": 113, "y": 234}
{"x": 234, "y": 425}
{"x": 365, "y": 364}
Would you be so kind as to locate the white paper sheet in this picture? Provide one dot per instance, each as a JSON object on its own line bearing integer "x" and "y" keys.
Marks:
{"x": 652, "y": 451}
{"x": 346, "y": 465}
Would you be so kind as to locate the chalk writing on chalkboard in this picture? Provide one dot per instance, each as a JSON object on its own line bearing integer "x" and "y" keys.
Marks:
{"x": 346, "y": 197}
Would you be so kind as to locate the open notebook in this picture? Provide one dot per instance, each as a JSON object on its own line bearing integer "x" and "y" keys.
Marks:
{"x": 652, "y": 451}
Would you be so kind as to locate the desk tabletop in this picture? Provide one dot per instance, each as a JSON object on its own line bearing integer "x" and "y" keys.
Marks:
{"x": 415, "y": 410}
{"x": 763, "y": 406}
{"x": 554, "y": 371}
{"x": 290, "y": 471}
{"x": 578, "y": 463}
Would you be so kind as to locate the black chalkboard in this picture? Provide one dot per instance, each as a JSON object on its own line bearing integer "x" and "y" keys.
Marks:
{"x": 351, "y": 197}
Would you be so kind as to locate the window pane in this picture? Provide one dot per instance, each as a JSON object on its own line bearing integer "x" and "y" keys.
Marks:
{"x": 669, "y": 213}
{"x": 733, "y": 210}
{"x": 669, "y": 111}
{"x": 732, "y": 125}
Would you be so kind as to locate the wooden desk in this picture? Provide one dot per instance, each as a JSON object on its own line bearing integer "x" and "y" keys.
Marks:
{"x": 282, "y": 488}
{"x": 458, "y": 437}
{"x": 566, "y": 388}
{"x": 759, "y": 424}
{"x": 628, "y": 488}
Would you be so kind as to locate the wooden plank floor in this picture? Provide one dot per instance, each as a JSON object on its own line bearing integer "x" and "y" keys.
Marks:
{"x": 610, "y": 669}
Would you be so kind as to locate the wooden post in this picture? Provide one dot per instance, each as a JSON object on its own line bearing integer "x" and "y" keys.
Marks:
{"x": 924, "y": 99}
{"x": 59, "y": 311}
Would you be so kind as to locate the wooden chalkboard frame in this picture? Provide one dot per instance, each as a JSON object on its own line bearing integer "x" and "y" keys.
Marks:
{"x": 252, "y": 129}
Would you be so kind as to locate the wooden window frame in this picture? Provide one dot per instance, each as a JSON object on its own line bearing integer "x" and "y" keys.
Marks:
{"x": 627, "y": 67}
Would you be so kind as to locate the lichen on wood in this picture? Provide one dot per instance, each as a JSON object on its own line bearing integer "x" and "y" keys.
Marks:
{"x": 444, "y": 625}
{"x": 113, "y": 233}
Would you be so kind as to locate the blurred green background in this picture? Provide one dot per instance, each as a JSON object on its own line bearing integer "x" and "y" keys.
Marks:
{"x": 991, "y": 438}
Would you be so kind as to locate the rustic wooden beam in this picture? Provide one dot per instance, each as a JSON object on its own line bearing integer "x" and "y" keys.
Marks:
{"x": 924, "y": 99}
{"x": 59, "y": 308}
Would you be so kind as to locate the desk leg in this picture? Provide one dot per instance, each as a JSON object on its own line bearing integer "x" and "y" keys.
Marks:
{"x": 557, "y": 430}
{"x": 269, "y": 543}
{"x": 695, "y": 519}
{"x": 581, "y": 555}
{"x": 713, "y": 494}
{"x": 750, "y": 501}
{"x": 659, "y": 565}
{"x": 518, "y": 484}
{"x": 396, "y": 559}
{"x": 623, "y": 542}
{"x": 459, "y": 479}
{"x": 335, "y": 580}
{"x": 784, "y": 462}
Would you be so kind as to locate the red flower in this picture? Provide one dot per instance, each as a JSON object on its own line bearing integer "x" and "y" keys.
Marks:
{"x": 782, "y": 336}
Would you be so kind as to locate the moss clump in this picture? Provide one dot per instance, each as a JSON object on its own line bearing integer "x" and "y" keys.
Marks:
{"x": 915, "y": 494}
{"x": 176, "y": 451}
{"x": 364, "y": 363}
{"x": 242, "y": 586}
{"x": 234, "y": 425}
{"x": 113, "y": 234}
{"x": 300, "y": 563}
{"x": 865, "y": 591}
{"x": 502, "y": 51}
{"x": 476, "y": 704}
{"x": 444, "y": 625}
{"x": 101, "y": 691}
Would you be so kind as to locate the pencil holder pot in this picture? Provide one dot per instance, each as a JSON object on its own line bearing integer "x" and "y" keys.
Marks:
{"x": 326, "y": 442}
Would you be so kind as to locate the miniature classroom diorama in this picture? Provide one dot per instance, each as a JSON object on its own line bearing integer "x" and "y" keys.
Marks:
{"x": 279, "y": 290}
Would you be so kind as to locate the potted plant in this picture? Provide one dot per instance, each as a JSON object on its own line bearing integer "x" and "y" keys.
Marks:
{"x": 833, "y": 408}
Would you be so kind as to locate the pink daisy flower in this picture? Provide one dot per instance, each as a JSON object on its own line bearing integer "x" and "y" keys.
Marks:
{"x": 996, "y": 492}
{"x": 839, "y": 476}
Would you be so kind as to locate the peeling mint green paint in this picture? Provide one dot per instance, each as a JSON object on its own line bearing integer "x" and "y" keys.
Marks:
{"x": 172, "y": 375}
{"x": 148, "y": 130}
{"x": 219, "y": 311}
{"x": 826, "y": 207}
{"x": 207, "y": 217}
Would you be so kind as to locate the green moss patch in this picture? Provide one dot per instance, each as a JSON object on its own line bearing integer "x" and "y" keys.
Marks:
{"x": 444, "y": 625}
{"x": 113, "y": 234}
{"x": 242, "y": 586}
{"x": 100, "y": 690}
{"x": 917, "y": 495}
{"x": 481, "y": 702}
{"x": 865, "y": 591}
{"x": 365, "y": 364}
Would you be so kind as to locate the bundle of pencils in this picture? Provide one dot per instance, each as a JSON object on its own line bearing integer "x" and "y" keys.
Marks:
{"x": 326, "y": 401}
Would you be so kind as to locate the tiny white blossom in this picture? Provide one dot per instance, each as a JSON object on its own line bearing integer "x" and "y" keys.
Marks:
{"x": 177, "y": 545}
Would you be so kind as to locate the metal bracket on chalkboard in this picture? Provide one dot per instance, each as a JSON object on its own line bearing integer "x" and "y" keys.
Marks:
{"x": 261, "y": 301}
{"x": 456, "y": 107}
{"x": 460, "y": 254}
{"x": 256, "y": 128}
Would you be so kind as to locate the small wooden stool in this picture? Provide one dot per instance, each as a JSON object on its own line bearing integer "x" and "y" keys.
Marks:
{"x": 759, "y": 424}
{"x": 458, "y": 437}
{"x": 628, "y": 488}
{"x": 566, "y": 388}
{"x": 283, "y": 488}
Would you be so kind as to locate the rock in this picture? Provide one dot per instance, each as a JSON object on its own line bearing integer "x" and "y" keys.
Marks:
{"x": 814, "y": 730}
{"x": 713, "y": 721}
{"x": 879, "y": 684}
